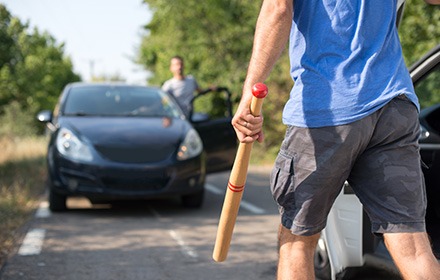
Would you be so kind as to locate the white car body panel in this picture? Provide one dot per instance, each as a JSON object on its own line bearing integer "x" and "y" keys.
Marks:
{"x": 343, "y": 234}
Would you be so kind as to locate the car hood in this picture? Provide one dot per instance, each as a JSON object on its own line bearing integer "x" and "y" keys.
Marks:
{"x": 131, "y": 139}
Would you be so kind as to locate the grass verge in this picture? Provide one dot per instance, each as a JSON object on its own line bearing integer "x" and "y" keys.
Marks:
{"x": 22, "y": 181}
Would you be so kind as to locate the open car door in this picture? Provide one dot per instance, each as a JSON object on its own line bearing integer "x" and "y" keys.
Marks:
{"x": 340, "y": 244}
{"x": 215, "y": 128}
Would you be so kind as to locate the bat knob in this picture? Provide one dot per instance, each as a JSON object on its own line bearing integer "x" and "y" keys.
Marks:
{"x": 259, "y": 90}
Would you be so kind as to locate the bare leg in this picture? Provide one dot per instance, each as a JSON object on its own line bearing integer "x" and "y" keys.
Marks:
{"x": 296, "y": 255}
{"x": 413, "y": 255}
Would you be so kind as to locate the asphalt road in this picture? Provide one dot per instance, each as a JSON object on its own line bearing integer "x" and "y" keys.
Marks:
{"x": 155, "y": 240}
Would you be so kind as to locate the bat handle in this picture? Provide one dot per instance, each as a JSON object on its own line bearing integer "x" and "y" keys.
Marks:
{"x": 237, "y": 180}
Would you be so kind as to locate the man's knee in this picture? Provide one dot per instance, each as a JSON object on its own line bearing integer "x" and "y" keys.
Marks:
{"x": 285, "y": 236}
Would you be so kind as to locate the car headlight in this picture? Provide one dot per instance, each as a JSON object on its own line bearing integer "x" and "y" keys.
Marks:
{"x": 191, "y": 146}
{"x": 69, "y": 145}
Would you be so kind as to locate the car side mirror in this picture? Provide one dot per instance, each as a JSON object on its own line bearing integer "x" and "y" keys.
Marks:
{"x": 45, "y": 116}
{"x": 200, "y": 117}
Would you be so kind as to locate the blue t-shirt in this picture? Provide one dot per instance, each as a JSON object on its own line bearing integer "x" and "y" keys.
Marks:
{"x": 346, "y": 61}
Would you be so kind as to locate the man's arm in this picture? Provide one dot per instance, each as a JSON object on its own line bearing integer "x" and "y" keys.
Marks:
{"x": 271, "y": 35}
{"x": 166, "y": 87}
{"x": 210, "y": 88}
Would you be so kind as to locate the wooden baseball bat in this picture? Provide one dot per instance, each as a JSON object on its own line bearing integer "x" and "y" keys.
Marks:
{"x": 237, "y": 180}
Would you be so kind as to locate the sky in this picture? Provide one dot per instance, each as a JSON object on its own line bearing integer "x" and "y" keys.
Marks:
{"x": 101, "y": 37}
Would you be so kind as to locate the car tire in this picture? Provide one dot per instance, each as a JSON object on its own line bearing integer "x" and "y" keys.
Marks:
{"x": 194, "y": 200}
{"x": 322, "y": 265}
{"x": 322, "y": 262}
{"x": 57, "y": 202}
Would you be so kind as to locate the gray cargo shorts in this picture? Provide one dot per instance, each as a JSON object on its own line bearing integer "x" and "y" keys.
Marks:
{"x": 378, "y": 155}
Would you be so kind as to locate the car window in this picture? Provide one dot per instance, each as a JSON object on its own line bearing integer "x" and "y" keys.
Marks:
{"x": 428, "y": 88}
{"x": 119, "y": 101}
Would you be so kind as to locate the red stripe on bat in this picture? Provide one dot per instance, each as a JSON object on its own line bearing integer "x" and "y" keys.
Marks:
{"x": 235, "y": 188}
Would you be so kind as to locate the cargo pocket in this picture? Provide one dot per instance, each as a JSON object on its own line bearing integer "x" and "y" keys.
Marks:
{"x": 282, "y": 182}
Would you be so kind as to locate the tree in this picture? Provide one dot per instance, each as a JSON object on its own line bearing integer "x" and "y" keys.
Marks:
{"x": 420, "y": 29}
{"x": 419, "y": 32}
{"x": 33, "y": 67}
{"x": 214, "y": 37}
{"x": 116, "y": 77}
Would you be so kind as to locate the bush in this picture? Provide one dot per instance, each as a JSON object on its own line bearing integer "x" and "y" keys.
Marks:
{"x": 16, "y": 122}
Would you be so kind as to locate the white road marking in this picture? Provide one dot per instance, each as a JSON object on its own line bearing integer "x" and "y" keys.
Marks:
{"x": 33, "y": 242}
{"x": 252, "y": 208}
{"x": 246, "y": 205}
{"x": 213, "y": 189}
{"x": 43, "y": 210}
{"x": 186, "y": 250}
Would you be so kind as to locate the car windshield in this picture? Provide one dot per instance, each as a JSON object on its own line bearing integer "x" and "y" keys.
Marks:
{"x": 119, "y": 101}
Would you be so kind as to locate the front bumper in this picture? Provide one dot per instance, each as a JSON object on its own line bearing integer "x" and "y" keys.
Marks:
{"x": 115, "y": 181}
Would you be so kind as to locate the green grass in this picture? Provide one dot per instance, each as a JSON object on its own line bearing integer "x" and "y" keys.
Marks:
{"x": 22, "y": 181}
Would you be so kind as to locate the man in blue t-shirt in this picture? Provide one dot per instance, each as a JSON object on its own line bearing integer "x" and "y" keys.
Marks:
{"x": 352, "y": 116}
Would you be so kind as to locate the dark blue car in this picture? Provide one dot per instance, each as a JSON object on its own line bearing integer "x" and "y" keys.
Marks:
{"x": 118, "y": 142}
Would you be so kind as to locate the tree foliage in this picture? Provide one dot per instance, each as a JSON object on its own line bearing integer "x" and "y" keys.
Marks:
{"x": 215, "y": 38}
{"x": 33, "y": 68}
{"x": 116, "y": 77}
{"x": 420, "y": 29}
{"x": 420, "y": 32}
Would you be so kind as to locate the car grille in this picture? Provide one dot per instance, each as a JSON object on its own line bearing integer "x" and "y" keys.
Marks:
{"x": 147, "y": 182}
{"x": 133, "y": 155}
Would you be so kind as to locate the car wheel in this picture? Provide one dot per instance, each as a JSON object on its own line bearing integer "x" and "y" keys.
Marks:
{"x": 194, "y": 200}
{"x": 322, "y": 262}
{"x": 322, "y": 265}
{"x": 57, "y": 202}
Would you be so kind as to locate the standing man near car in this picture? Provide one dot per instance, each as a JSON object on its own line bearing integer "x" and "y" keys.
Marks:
{"x": 180, "y": 86}
{"x": 352, "y": 115}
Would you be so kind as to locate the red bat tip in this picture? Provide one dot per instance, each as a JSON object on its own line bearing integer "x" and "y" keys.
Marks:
{"x": 259, "y": 90}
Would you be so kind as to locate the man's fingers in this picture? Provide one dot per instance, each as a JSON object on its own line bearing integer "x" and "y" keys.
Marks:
{"x": 249, "y": 139}
{"x": 244, "y": 138}
{"x": 249, "y": 124}
{"x": 260, "y": 138}
{"x": 244, "y": 132}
